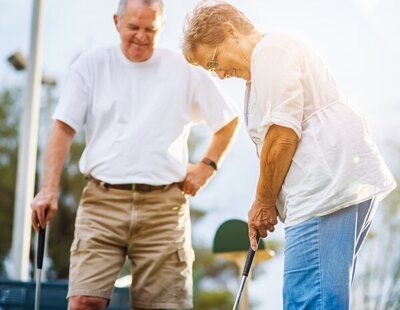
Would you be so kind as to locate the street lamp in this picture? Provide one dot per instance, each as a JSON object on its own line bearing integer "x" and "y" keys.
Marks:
{"x": 18, "y": 61}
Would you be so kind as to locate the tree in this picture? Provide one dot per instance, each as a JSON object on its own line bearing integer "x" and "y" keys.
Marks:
{"x": 8, "y": 167}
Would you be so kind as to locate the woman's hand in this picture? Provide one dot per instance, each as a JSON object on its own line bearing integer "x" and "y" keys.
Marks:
{"x": 262, "y": 218}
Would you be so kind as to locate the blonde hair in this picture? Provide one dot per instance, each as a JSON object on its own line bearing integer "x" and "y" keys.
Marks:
{"x": 205, "y": 25}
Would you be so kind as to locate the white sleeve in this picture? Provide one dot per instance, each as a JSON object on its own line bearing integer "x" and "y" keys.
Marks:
{"x": 277, "y": 76}
{"x": 74, "y": 100}
{"x": 208, "y": 102}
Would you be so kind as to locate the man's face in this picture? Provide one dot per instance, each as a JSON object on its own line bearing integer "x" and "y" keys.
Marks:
{"x": 138, "y": 27}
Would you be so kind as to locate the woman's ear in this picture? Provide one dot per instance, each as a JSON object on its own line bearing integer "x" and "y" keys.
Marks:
{"x": 230, "y": 31}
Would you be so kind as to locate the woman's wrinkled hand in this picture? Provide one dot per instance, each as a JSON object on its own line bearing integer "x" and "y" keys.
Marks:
{"x": 261, "y": 219}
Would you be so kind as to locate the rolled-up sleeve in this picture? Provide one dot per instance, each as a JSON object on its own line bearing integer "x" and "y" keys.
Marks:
{"x": 276, "y": 75}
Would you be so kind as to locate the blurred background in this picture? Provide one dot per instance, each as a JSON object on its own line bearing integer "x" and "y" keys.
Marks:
{"x": 358, "y": 39}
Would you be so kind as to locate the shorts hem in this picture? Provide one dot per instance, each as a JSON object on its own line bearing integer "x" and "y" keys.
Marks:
{"x": 163, "y": 305}
{"x": 95, "y": 293}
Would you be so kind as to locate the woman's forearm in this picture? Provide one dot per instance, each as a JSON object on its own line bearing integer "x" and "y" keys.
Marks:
{"x": 277, "y": 153}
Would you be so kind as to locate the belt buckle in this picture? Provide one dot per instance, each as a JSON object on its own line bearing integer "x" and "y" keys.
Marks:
{"x": 133, "y": 188}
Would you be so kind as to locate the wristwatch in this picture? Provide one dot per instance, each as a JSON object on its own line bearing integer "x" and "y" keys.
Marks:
{"x": 210, "y": 162}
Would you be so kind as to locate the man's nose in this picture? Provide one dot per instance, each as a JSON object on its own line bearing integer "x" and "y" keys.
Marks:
{"x": 141, "y": 35}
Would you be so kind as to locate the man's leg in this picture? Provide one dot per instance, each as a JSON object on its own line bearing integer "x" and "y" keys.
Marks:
{"x": 160, "y": 251}
{"x": 86, "y": 303}
{"x": 319, "y": 257}
{"x": 99, "y": 247}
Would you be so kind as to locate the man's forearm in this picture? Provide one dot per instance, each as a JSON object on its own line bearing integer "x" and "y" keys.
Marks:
{"x": 56, "y": 153}
{"x": 279, "y": 147}
{"x": 221, "y": 141}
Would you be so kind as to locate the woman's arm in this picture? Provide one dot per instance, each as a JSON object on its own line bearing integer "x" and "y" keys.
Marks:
{"x": 276, "y": 156}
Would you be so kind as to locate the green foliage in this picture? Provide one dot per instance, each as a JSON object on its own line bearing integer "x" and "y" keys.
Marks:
{"x": 8, "y": 167}
{"x": 214, "y": 300}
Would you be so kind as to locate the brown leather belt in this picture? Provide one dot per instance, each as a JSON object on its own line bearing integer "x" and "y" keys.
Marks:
{"x": 136, "y": 187}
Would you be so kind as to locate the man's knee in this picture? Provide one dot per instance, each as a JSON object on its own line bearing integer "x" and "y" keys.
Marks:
{"x": 86, "y": 303}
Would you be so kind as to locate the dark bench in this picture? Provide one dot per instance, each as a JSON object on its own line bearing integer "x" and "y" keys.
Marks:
{"x": 17, "y": 295}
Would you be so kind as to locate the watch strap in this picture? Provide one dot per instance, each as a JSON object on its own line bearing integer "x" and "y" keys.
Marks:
{"x": 210, "y": 162}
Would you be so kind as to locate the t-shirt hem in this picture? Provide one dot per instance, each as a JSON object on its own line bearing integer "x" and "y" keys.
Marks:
{"x": 218, "y": 126}
{"x": 67, "y": 121}
{"x": 129, "y": 180}
{"x": 381, "y": 194}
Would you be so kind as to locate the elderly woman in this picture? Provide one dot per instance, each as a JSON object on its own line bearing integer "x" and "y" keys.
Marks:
{"x": 320, "y": 171}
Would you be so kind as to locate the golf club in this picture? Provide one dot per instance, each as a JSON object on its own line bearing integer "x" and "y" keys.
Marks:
{"x": 39, "y": 264}
{"x": 246, "y": 270}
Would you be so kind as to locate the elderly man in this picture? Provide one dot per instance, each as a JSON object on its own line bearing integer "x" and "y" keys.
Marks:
{"x": 136, "y": 103}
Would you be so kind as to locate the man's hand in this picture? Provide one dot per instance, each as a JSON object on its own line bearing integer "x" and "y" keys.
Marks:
{"x": 197, "y": 177}
{"x": 44, "y": 206}
{"x": 262, "y": 217}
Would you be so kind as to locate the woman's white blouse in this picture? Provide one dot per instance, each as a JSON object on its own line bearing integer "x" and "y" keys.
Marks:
{"x": 336, "y": 163}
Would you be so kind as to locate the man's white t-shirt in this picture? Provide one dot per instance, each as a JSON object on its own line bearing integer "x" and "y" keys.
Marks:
{"x": 336, "y": 163}
{"x": 137, "y": 116}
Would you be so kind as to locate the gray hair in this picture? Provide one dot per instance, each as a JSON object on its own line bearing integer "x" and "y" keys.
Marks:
{"x": 205, "y": 25}
{"x": 150, "y": 3}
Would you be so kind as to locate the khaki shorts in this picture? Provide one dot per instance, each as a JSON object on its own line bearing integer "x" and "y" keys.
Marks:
{"x": 152, "y": 229}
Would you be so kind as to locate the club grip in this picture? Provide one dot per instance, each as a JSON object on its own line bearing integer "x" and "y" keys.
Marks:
{"x": 40, "y": 248}
{"x": 249, "y": 260}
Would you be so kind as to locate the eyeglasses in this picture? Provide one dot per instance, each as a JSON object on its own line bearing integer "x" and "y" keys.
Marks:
{"x": 212, "y": 65}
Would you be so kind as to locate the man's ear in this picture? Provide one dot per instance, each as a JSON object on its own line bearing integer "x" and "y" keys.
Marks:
{"x": 116, "y": 21}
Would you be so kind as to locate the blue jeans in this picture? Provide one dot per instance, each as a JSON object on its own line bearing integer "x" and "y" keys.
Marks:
{"x": 320, "y": 258}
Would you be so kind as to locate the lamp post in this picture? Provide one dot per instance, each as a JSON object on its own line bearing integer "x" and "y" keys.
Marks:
{"x": 27, "y": 152}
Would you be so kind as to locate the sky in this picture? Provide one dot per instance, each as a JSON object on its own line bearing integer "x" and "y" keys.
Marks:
{"x": 358, "y": 39}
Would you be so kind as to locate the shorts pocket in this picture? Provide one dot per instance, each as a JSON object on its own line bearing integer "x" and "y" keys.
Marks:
{"x": 186, "y": 255}
{"x": 74, "y": 245}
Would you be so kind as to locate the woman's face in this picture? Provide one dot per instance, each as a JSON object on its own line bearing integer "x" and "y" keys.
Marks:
{"x": 225, "y": 59}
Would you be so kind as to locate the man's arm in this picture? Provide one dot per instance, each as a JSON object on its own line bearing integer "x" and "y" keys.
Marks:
{"x": 45, "y": 203}
{"x": 276, "y": 156}
{"x": 199, "y": 174}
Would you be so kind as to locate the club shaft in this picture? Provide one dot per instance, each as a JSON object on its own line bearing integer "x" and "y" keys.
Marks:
{"x": 246, "y": 271}
{"x": 39, "y": 264}
{"x": 239, "y": 295}
{"x": 37, "y": 291}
